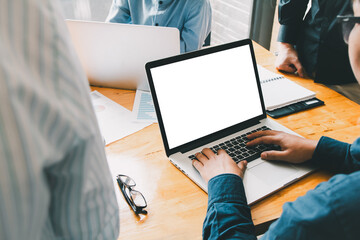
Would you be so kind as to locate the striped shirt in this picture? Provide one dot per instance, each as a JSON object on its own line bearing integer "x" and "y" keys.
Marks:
{"x": 54, "y": 179}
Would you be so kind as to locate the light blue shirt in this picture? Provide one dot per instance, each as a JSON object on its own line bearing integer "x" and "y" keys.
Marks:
{"x": 191, "y": 17}
{"x": 54, "y": 179}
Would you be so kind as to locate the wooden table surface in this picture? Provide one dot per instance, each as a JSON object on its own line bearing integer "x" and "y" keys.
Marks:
{"x": 176, "y": 206}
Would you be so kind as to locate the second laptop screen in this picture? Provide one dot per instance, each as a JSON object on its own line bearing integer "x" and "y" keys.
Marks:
{"x": 206, "y": 94}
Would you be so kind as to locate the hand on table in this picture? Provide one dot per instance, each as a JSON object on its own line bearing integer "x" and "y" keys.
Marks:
{"x": 294, "y": 149}
{"x": 210, "y": 164}
{"x": 288, "y": 60}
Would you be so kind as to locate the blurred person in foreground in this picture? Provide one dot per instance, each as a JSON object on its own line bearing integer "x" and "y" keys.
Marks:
{"x": 55, "y": 182}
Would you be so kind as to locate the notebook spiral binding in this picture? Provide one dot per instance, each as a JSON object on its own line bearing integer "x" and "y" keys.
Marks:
{"x": 271, "y": 79}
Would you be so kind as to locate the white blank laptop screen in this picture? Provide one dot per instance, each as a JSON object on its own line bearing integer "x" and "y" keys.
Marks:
{"x": 203, "y": 95}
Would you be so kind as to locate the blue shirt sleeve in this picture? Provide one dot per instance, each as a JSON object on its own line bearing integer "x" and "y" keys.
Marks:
{"x": 330, "y": 211}
{"x": 228, "y": 215}
{"x": 196, "y": 27}
{"x": 291, "y": 14}
{"x": 337, "y": 156}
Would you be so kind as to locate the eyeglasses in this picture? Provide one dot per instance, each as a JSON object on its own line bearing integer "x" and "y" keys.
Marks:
{"x": 134, "y": 198}
{"x": 347, "y": 24}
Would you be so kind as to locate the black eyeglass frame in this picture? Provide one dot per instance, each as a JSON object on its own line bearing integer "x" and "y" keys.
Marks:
{"x": 129, "y": 199}
{"x": 346, "y": 21}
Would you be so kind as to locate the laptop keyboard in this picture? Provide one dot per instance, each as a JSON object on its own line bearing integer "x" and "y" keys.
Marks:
{"x": 237, "y": 149}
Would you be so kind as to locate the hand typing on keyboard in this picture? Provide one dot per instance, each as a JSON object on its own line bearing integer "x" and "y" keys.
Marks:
{"x": 239, "y": 151}
{"x": 270, "y": 144}
{"x": 293, "y": 149}
{"x": 210, "y": 164}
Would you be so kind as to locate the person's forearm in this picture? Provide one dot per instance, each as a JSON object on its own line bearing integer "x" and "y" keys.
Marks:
{"x": 228, "y": 214}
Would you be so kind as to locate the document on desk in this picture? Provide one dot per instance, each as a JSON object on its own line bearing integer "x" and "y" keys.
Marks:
{"x": 143, "y": 109}
{"x": 114, "y": 120}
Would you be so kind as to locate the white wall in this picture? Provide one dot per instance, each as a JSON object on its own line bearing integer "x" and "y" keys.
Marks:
{"x": 231, "y": 20}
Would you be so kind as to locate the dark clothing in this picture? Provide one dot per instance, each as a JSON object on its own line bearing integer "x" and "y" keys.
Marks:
{"x": 317, "y": 38}
{"x": 330, "y": 211}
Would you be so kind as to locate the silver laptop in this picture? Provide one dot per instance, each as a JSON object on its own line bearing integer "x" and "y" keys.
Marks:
{"x": 212, "y": 98}
{"x": 114, "y": 55}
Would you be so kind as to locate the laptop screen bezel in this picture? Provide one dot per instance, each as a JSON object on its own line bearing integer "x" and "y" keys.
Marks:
{"x": 216, "y": 135}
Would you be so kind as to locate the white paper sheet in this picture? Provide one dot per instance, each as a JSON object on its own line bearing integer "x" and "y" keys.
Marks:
{"x": 115, "y": 121}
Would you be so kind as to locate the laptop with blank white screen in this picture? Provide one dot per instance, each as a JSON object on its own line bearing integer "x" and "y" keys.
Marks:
{"x": 212, "y": 98}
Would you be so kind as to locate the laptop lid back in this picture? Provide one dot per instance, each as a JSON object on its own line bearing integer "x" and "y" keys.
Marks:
{"x": 114, "y": 54}
{"x": 205, "y": 95}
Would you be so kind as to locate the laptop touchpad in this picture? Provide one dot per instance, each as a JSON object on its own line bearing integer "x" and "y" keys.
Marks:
{"x": 273, "y": 172}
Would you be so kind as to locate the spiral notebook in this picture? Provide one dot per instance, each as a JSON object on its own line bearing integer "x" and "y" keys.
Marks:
{"x": 279, "y": 92}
